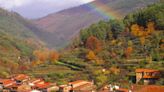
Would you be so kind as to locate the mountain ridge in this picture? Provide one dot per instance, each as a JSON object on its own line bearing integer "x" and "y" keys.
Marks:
{"x": 62, "y": 26}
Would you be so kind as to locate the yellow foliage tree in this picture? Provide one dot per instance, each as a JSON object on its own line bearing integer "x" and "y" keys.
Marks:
{"x": 130, "y": 43}
{"x": 150, "y": 27}
{"x": 142, "y": 40}
{"x": 135, "y": 28}
{"x": 91, "y": 55}
{"x": 141, "y": 32}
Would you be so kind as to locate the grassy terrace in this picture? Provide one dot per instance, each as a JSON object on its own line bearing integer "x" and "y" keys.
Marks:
{"x": 59, "y": 72}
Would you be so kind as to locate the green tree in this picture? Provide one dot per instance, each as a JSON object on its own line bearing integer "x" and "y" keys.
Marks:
{"x": 116, "y": 27}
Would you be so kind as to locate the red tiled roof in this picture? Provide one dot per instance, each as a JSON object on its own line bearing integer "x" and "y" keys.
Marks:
{"x": 151, "y": 88}
{"x": 42, "y": 86}
{"x": 82, "y": 86}
{"x": 78, "y": 81}
{"x": 146, "y": 70}
{"x": 149, "y": 77}
{"x": 21, "y": 77}
{"x": 7, "y": 82}
{"x": 123, "y": 90}
{"x": 11, "y": 86}
{"x": 36, "y": 81}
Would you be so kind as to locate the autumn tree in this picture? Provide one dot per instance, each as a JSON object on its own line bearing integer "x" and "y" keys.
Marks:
{"x": 150, "y": 27}
{"x": 128, "y": 52}
{"x": 93, "y": 44}
{"x": 53, "y": 56}
{"x": 135, "y": 28}
{"x": 141, "y": 32}
{"x": 142, "y": 40}
{"x": 91, "y": 55}
{"x": 41, "y": 55}
{"x": 153, "y": 13}
{"x": 115, "y": 70}
{"x": 23, "y": 67}
{"x": 34, "y": 63}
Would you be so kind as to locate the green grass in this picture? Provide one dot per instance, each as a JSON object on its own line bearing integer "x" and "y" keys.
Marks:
{"x": 59, "y": 72}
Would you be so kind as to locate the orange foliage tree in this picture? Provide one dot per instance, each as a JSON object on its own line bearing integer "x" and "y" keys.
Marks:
{"x": 53, "y": 55}
{"x": 128, "y": 52}
{"x": 34, "y": 63}
{"x": 93, "y": 44}
{"x": 41, "y": 55}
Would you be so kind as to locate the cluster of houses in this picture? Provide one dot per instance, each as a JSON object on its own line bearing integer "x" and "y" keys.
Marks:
{"x": 78, "y": 86}
{"x": 147, "y": 76}
{"x": 145, "y": 82}
{"x": 24, "y": 83}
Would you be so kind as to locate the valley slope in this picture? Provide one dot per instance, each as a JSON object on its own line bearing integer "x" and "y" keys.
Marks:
{"x": 17, "y": 40}
{"x": 59, "y": 28}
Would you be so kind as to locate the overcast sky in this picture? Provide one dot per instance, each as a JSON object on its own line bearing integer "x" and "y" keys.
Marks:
{"x": 39, "y": 8}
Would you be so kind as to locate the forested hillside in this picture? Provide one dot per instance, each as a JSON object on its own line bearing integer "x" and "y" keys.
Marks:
{"x": 60, "y": 28}
{"x": 17, "y": 41}
{"x": 110, "y": 51}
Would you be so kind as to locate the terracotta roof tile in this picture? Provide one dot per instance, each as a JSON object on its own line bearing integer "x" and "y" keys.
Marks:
{"x": 21, "y": 77}
{"x": 35, "y": 81}
{"x": 151, "y": 88}
{"x": 150, "y": 77}
{"x": 123, "y": 90}
{"x": 11, "y": 86}
{"x": 42, "y": 86}
{"x": 82, "y": 86}
{"x": 78, "y": 81}
{"x": 7, "y": 82}
{"x": 146, "y": 70}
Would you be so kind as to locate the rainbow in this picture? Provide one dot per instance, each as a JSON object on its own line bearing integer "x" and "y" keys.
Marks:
{"x": 104, "y": 10}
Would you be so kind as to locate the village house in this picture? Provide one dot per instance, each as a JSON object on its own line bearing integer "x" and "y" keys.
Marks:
{"x": 53, "y": 88}
{"x": 147, "y": 76}
{"x": 23, "y": 83}
{"x": 23, "y": 88}
{"x": 148, "y": 88}
{"x": 64, "y": 88}
{"x": 5, "y": 84}
{"x": 12, "y": 88}
{"x": 122, "y": 90}
{"x": 42, "y": 86}
{"x": 33, "y": 82}
{"x": 115, "y": 88}
{"x": 77, "y": 86}
{"x": 21, "y": 79}
{"x": 45, "y": 86}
